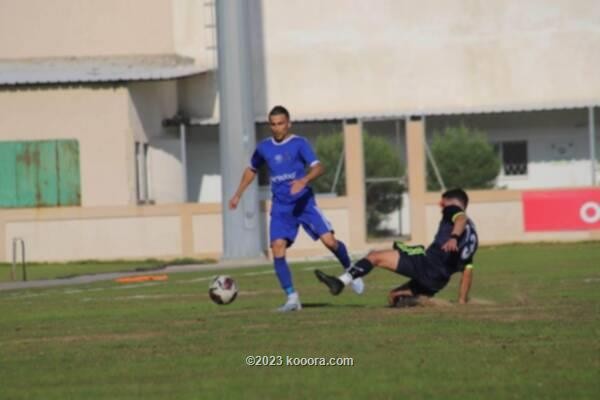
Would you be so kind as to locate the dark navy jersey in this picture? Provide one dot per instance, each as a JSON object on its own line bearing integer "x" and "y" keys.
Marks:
{"x": 453, "y": 261}
{"x": 287, "y": 161}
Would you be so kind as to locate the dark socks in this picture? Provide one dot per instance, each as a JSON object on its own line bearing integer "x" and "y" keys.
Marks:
{"x": 361, "y": 268}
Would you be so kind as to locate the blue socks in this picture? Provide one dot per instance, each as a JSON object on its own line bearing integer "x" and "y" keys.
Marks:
{"x": 342, "y": 255}
{"x": 284, "y": 275}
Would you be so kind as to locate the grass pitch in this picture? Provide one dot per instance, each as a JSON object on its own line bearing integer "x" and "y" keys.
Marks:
{"x": 531, "y": 333}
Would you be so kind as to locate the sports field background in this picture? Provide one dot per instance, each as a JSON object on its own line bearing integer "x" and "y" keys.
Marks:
{"x": 532, "y": 334}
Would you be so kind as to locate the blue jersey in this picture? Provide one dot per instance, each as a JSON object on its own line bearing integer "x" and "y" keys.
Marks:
{"x": 287, "y": 161}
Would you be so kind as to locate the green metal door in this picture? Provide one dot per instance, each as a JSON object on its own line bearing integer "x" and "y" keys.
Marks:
{"x": 39, "y": 173}
{"x": 8, "y": 174}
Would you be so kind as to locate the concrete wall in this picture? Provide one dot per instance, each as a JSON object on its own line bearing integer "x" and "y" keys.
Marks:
{"x": 204, "y": 173}
{"x": 79, "y": 239}
{"x": 96, "y": 116}
{"x": 66, "y": 28}
{"x": 195, "y": 230}
{"x": 498, "y": 216}
{"x": 150, "y": 103}
{"x": 396, "y": 56}
{"x": 194, "y": 30}
{"x": 164, "y": 231}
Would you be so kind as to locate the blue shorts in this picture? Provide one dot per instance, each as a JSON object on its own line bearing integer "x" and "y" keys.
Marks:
{"x": 286, "y": 219}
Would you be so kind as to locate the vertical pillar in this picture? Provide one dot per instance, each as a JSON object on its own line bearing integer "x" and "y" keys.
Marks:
{"x": 415, "y": 149}
{"x": 592, "y": 131}
{"x": 355, "y": 183}
{"x": 237, "y": 136}
{"x": 183, "y": 151}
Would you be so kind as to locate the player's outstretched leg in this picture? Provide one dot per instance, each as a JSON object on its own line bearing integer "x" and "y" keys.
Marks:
{"x": 387, "y": 259}
{"x": 282, "y": 270}
{"x": 338, "y": 248}
{"x": 356, "y": 271}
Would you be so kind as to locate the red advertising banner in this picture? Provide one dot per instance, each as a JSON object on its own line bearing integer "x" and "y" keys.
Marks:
{"x": 562, "y": 210}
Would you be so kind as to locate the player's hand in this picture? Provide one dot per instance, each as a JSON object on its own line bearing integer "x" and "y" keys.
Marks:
{"x": 297, "y": 186}
{"x": 233, "y": 203}
{"x": 450, "y": 245}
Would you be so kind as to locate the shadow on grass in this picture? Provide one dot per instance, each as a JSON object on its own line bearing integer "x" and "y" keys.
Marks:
{"x": 320, "y": 305}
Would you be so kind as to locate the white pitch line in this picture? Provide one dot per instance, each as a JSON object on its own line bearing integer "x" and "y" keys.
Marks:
{"x": 258, "y": 273}
{"x": 323, "y": 267}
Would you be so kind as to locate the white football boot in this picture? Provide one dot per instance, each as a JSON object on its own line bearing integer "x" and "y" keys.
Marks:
{"x": 292, "y": 304}
{"x": 358, "y": 285}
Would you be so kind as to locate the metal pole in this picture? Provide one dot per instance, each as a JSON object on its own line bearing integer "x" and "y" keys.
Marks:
{"x": 15, "y": 242}
{"x": 338, "y": 172}
{"x": 592, "y": 130}
{"x": 14, "y": 263}
{"x": 23, "y": 260}
{"x": 237, "y": 136}
{"x": 183, "y": 151}
{"x": 436, "y": 170}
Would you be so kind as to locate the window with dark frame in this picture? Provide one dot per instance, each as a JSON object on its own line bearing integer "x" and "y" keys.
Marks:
{"x": 513, "y": 155}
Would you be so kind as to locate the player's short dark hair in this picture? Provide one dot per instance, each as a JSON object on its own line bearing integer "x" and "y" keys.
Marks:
{"x": 279, "y": 110}
{"x": 457, "y": 194}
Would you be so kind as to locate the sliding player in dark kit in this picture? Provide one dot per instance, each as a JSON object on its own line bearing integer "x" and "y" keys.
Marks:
{"x": 429, "y": 270}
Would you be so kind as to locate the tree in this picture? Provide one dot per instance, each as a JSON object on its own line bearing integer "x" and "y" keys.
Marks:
{"x": 464, "y": 159}
{"x": 381, "y": 161}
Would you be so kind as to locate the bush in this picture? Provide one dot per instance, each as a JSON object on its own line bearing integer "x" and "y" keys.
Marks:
{"x": 464, "y": 158}
{"x": 329, "y": 149}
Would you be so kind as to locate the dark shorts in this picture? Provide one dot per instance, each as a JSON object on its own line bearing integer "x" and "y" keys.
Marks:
{"x": 426, "y": 277}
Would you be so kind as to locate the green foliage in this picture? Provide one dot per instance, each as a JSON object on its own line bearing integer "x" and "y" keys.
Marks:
{"x": 381, "y": 161}
{"x": 465, "y": 159}
{"x": 329, "y": 149}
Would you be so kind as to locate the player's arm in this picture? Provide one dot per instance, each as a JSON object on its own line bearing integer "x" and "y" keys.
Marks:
{"x": 465, "y": 284}
{"x": 315, "y": 171}
{"x": 247, "y": 178}
{"x": 460, "y": 222}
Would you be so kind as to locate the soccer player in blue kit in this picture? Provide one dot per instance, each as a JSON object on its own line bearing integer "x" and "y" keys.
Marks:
{"x": 293, "y": 202}
{"x": 429, "y": 270}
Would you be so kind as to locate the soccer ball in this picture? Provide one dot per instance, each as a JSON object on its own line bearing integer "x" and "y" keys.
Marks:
{"x": 222, "y": 289}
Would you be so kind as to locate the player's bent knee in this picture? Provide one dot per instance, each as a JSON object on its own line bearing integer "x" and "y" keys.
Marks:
{"x": 387, "y": 259}
{"x": 329, "y": 241}
{"x": 278, "y": 248}
{"x": 374, "y": 257}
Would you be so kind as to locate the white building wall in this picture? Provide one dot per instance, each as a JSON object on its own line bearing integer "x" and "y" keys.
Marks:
{"x": 394, "y": 56}
{"x": 150, "y": 103}
{"x": 557, "y": 158}
{"x": 61, "y": 240}
{"x": 204, "y": 175}
{"x": 95, "y": 116}
{"x": 558, "y": 149}
{"x": 69, "y": 28}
